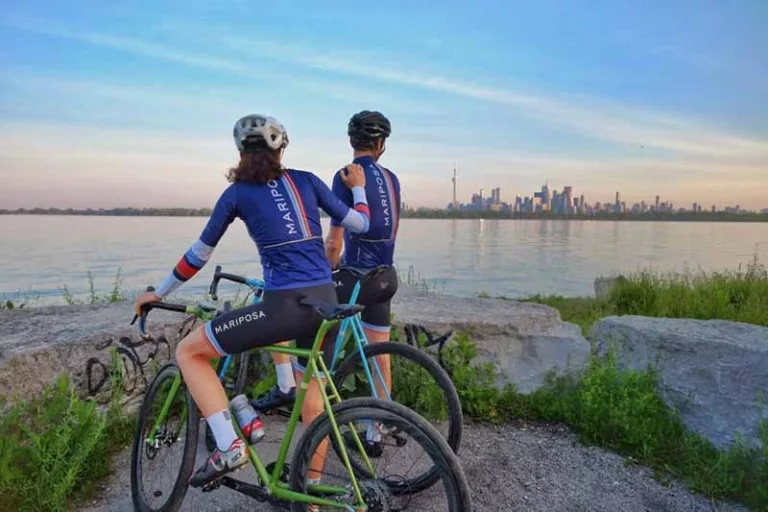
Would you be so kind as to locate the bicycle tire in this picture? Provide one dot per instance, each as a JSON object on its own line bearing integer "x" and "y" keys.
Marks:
{"x": 446, "y": 462}
{"x": 443, "y": 380}
{"x": 180, "y": 486}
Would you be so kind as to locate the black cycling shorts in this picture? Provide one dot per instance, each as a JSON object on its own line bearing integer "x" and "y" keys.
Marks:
{"x": 278, "y": 317}
{"x": 376, "y": 294}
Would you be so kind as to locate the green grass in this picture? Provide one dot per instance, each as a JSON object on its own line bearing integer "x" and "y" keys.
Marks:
{"x": 581, "y": 311}
{"x": 412, "y": 277}
{"x": 115, "y": 294}
{"x": 18, "y": 300}
{"x": 54, "y": 448}
{"x": 740, "y": 295}
{"x": 608, "y": 407}
{"x": 10, "y": 305}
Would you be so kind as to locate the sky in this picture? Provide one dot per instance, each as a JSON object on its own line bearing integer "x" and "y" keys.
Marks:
{"x": 133, "y": 104}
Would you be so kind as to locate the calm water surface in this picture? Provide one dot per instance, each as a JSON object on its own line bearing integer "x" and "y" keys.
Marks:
{"x": 41, "y": 254}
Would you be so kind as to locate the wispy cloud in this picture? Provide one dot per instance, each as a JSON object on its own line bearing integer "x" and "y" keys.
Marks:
{"x": 196, "y": 59}
{"x": 593, "y": 117}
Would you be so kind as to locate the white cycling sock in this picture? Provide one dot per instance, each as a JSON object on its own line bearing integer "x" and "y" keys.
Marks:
{"x": 223, "y": 431}
{"x": 373, "y": 433}
{"x": 285, "y": 378}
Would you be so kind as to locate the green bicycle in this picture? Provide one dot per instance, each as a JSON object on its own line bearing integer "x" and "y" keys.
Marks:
{"x": 350, "y": 479}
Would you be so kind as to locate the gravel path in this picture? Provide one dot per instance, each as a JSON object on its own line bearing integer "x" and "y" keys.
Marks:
{"x": 521, "y": 466}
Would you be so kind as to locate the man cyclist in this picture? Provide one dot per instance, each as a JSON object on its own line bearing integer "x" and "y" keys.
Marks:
{"x": 363, "y": 253}
{"x": 280, "y": 208}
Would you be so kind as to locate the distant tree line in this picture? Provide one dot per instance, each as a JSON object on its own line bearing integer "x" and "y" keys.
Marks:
{"x": 419, "y": 214}
{"x": 628, "y": 216}
{"x": 115, "y": 212}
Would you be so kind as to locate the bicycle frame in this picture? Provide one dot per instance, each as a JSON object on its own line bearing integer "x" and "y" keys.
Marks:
{"x": 275, "y": 486}
{"x": 353, "y": 322}
{"x": 361, "y": 341}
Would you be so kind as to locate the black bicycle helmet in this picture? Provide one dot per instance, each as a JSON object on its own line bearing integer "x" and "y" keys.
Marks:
{"x": 367, "y": 125}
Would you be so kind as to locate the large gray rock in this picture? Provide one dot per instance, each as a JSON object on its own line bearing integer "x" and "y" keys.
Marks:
{"x": 714, "y": 371}
{"x": 525, "y": 341}
{"x": 39, "y": 344}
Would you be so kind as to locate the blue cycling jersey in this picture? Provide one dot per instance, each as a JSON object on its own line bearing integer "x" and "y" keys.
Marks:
{"x": 283, "y": 219}
{"x": 377, "y": 245}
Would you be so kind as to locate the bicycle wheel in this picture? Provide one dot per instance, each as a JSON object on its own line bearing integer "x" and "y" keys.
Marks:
{"x": 234, "y": 383}
{"x": 418, "y": 382}
{"x": 389, "y": 490}
{"x": 173, "y": 451}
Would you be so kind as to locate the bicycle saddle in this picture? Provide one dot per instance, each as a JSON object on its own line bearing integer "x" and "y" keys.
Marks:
{"x": 332, "y": 311}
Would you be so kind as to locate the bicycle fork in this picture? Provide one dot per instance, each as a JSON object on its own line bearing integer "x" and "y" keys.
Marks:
{"x": 175, "y": 386}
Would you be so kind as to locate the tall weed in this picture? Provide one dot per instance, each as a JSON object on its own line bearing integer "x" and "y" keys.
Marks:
{"x": 55, "y": 447}
{"x": 740, "y": 295}
{"x": 116, "y": 293}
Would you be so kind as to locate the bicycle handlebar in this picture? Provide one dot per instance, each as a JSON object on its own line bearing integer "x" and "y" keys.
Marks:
{"x": 218, "y": 275}
{"x": 146, "y": 308}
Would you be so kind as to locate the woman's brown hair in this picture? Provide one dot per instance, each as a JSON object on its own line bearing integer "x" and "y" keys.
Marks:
{"x": 258, "y": 164}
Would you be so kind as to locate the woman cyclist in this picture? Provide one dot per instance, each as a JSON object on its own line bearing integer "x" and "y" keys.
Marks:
{"x": 280, "y": 208}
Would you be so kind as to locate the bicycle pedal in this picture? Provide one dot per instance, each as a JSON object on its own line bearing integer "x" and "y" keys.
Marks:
{"x": 212, "y": 486}
{"x": 216, "y": 483}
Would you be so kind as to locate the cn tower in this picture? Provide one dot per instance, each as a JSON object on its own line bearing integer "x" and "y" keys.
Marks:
{"x": 455, "y": 203}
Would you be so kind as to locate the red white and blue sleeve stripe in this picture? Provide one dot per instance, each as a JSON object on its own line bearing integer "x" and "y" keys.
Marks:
{"x": 193, "y": 260}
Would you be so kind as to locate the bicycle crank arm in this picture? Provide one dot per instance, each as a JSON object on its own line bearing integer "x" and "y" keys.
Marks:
{"x": 254, "y": 491}
{"x": 279, "y": 411}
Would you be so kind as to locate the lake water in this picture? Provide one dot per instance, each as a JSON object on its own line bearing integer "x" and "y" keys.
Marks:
{"x": 41, "y": 254}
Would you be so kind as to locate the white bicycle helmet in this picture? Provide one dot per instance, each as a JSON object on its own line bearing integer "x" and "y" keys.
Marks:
{"x": 258, "y": 127}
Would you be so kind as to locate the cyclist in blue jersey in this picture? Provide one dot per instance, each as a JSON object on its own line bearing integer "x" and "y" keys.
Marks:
{"x": 280, "y": 208}
{"x": 367, "y": 132}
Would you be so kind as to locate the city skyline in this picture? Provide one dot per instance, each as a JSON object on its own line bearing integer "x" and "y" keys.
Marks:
{"x": 563, "y": 201}
{"x": 108, "y": 105}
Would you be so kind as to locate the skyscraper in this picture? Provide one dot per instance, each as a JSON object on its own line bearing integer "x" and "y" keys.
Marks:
{"x": 657, "y": 203}
{"x": 545, "y": 197}
{"x": 496, "y": 195}
{"x": 455, "y": 202}
{"x": 568, "y": 193}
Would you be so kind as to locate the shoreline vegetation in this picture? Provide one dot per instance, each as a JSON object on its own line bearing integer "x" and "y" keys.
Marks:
{"x": 683, "y": 216}
{"x": 606, "y": 406}
{"x": 739, "y": 295}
